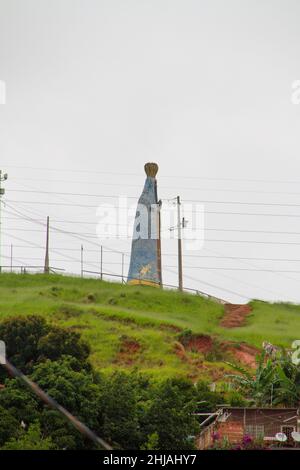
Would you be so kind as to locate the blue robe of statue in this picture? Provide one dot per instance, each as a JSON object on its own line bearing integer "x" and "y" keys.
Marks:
{"x": 145, "y": 249}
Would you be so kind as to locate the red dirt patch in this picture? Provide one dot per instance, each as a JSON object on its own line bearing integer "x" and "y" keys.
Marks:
{"x": 245, "y": 354}
{"x": 202, "y": 344}
{"x": 130, "y": 346}
{"x": 197, "y": 343}
{"x": 235, "y": 315}
{"x": 128, "y": 351}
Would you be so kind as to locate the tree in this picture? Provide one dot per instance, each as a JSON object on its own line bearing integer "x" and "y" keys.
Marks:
{"x": 59, "y": 342}
{"x": 152, "y": 442}
{"x": 31, "y": 339}
{"x": 170, "y": 415}
{"x": 19, "y": 401}
{"x": 30, "y": 440}
{"x": 76, "y": 391}
{"x": 61, "y": 431}
{"x": 70, "y": 380}
{"x": 206, "y": 399}
{"x": 9, "y": 426}
{"x": 21, "y": 336}
{"x": 120, "y": 410}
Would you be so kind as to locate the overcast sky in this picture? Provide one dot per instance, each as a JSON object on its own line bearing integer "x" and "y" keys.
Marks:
{"x": 96, "y": 88}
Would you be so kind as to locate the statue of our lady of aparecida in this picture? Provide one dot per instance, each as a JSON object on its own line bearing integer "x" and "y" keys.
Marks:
{"x": 145, "y": 261}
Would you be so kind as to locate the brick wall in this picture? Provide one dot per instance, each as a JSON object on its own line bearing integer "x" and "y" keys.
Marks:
{"x": 233, "y": 431}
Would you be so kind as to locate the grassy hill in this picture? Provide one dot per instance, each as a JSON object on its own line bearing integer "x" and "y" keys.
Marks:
{"x": 163, "y": 333}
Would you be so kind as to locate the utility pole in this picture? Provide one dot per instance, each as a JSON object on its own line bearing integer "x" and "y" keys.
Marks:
{"x": 122, "y": 268}
{"x": 81, "y": 260}
{"x": 2, "y": 192}
{"x": 11, "y": 258}
{"x": 46, "y": 265}
{"x": 101, "y": 264}
{"x": 180, "y": 282}
{"x": 158, "y": 236}
{"x": 159, "y": 268}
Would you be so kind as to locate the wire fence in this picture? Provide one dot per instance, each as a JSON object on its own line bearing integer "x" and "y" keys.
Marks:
{"x": 102, "y": 275}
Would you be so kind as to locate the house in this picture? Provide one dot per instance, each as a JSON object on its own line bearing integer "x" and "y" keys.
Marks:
{"x": 233, "y": 423}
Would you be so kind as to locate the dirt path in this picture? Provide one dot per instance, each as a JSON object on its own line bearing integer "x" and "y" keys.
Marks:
{"x": 235, "y": 315}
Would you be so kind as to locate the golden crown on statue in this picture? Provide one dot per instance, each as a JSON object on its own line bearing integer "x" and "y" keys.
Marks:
{"x": 151, "y": 169}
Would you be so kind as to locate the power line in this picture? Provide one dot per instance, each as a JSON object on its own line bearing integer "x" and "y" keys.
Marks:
{"x": 250, "y": 214}
{"x": 114, "y": 196}
{"x": 251, "y": 242}
{"x": 235, "y": 257}
{"x": 179, "y": 188}
{"x": 203, "y": 201}
{"x": 93, "y": 206}
{"x": 110, "y": 236}
{"x": 25, "y": 218}
{"x": 60, "y": 248}
{"x": 239, "y": 258}
{"x": 77, "y": 235}
{"x": 70, "y": 194}
{"x": 238, "y": 269}
{"x": 209, "y": 178}
{"x": 211, "y": 285}
{"x": 268, "y": 232}
{"x": 40, "y": 258}
{"x": 62, "y": 231}
{"x": 53, "y": 250}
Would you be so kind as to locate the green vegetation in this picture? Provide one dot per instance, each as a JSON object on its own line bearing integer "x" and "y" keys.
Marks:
{"x": 128, "y": 327}
{"x": 115, "y": 389}
{"x": 30, "y": 440}
{"x": 276, "y": 381}
{"x": 129, "y": 410}
{"x": 277, "y": 323}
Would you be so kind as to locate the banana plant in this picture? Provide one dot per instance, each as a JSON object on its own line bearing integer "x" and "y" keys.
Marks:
{"x": 258, "y": 388}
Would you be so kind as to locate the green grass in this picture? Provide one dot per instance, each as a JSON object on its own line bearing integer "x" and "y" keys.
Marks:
{"x": 106, "y": 313}
{"x": 278, "y": 323}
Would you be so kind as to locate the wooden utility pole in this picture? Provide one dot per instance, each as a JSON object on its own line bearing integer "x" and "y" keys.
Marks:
{"x": 180, "y": 282}
{"x": 11, "y": 258}
{"x": 158, "y": 235}
{"x": 2, "y": 192}
{"x": 81, "y": 260}
{"x": 159, "y": 246}
{"x": 46, "y": 265}
{"x": 122, "y": 268}
{"x": 101, "y": 264}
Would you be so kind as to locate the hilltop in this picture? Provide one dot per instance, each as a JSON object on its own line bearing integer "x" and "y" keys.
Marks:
{"x": 163, "y": 333}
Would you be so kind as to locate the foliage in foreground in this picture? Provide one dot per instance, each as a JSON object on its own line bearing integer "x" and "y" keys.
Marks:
{"x": 128, "y": 410}
{"x": 276, "y": 381}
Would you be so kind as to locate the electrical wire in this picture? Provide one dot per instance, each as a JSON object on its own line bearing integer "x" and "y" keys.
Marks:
{"x": 181, "y": 176}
